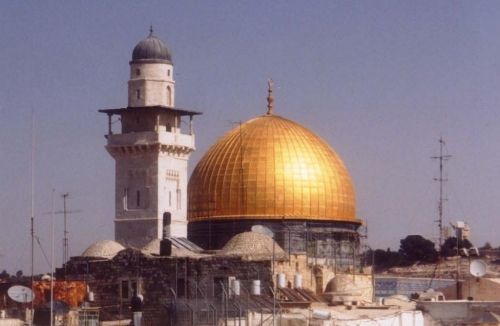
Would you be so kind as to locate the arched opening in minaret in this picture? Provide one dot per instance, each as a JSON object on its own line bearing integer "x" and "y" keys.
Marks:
{"x": 169, "y": 96}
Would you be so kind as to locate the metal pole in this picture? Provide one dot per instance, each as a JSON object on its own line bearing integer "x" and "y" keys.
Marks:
{"x": 373, "y": 274}
{"x": 275, "y": 287}
{"x": 65, "y": 237}
{"x": 52, "y": 263}
{"x": 30, "y": 322}
{"x": 441, "y": 180}
{"x": 458, "y": 266}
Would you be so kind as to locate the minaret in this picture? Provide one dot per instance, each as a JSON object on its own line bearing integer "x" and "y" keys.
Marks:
{"x": 151, "y": 151}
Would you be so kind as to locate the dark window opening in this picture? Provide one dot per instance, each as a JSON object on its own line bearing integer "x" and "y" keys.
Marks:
{"x": 138, "y": 198}
{"x": 137, "y": 72}
{"x": 124, "y": 286}
{"x": 181, "y": 287}
{"x": 219, "y": 282}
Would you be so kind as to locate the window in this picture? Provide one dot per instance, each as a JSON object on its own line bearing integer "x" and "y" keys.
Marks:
{"x": 125, "y": 197}
{"x": 129, "y": 287}
{"x": 181, "y": 287}
{"x": 168, "y": 72}
{"x": 125, "y": 290}
{"x": 136, "y": 198}
{"x": 138, "y": 72}
{"x": 169, "y": 96}
{"x": 218, "y": 286}
{"x": 138, "y": 94}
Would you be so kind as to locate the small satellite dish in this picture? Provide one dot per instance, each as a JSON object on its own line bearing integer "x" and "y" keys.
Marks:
{"x": 263, "y": 230}
{"x": 478, "y": 268}
{"x": 21, "y": 294}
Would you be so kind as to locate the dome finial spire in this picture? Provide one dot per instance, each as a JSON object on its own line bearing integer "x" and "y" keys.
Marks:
{"x": 270, "y": 98}
{"x": 151, "y": 30}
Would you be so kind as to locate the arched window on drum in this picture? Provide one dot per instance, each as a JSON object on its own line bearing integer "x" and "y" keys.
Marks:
{"x": 169, "y": 96}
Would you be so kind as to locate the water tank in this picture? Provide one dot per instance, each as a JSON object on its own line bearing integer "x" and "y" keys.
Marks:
{"x": 256, "y": 287}
{"x": 281, "y": 280}
{"x": 297, "y": 281}
{"x": 235, "y": 287}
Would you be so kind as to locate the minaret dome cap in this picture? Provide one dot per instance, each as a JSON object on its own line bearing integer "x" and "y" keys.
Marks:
{"x": 151, "y": 48}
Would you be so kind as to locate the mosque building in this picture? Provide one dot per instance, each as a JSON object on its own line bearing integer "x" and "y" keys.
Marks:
{"x": 268, "y": 171}
{"x": 270, "y": 198}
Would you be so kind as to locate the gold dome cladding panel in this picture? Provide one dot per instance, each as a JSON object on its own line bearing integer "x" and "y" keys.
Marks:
{"x": 274, "y": 168}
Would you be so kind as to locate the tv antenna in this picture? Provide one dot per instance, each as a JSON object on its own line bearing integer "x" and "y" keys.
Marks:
{"x": 441, "y": 179}
{"x": 65, "y": 212}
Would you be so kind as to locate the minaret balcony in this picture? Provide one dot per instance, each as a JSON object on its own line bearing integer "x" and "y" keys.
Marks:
{"x": 148, "y": 138}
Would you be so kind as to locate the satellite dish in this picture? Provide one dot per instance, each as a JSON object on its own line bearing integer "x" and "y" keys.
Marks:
{"x": 21, "y": 294}
{"x": 478, "y": 268}
{"x": 263, "y": 230}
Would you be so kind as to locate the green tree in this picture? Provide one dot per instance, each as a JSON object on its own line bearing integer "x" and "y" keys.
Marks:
{"x": 4, "y": 275}
{"x": 487, "y": 246}
{"x": 382, "y": 259}
{"x": 415, "y": 248}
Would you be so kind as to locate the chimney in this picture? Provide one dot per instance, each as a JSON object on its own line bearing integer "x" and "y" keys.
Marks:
{"x": 166, "y": 244}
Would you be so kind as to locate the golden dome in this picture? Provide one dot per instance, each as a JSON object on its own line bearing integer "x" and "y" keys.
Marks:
{"x": 271, "y": 168}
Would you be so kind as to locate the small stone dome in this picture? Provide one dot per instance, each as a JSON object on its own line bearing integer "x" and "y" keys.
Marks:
{"x": 252, "y": 246}
{"x": 151, "y": 48}
{"x": 103, "y": 249}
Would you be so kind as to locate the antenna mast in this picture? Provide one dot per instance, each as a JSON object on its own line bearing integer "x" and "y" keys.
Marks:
{"x": 65, "y": 236}
{"x": 32, "y": 219}
{"x": 442, "y": 158}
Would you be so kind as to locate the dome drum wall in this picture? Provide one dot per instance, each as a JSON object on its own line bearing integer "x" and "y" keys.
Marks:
{"x": 151, "y": 70}
{"x": 151, "y": 84}
{"x": 293, "y": 236}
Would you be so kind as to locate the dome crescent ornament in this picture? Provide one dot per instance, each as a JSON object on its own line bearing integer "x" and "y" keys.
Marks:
{"x": 270, "y": 98}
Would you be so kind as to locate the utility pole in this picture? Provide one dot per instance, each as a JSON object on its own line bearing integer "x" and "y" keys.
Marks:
{"x": 32, "y": 219}
{"x": 65, "y": 236}
{"x": 441, "y": 158}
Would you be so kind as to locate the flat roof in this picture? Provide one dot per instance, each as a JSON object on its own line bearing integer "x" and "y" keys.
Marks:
{"x": 153, "y": 108}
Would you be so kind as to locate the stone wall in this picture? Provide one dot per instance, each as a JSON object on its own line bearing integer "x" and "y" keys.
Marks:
{"x": 160, "y": 280}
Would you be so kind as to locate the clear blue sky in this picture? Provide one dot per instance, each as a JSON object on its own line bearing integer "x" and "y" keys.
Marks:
{"x": 380, "y": 81}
